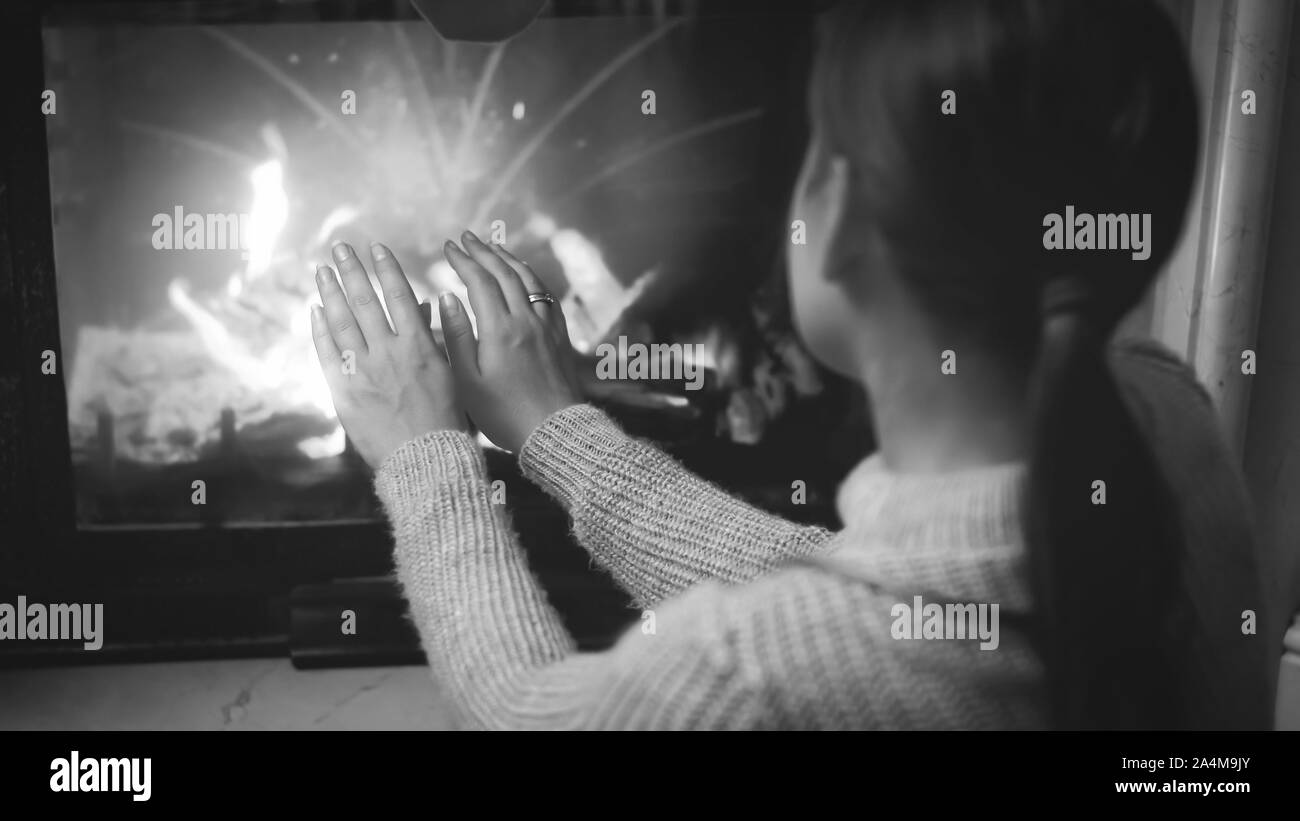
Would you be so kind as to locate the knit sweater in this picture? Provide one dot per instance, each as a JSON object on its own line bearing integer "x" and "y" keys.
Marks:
{"x": 755, "y": 622}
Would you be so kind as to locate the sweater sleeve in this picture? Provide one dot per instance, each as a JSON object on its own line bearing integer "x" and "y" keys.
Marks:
{"x": 655, "y": 526}
{"x": 498, "y": 652}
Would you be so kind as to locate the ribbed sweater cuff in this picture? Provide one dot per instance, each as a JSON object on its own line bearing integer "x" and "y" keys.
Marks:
{"x": 443, "y": 459}
{"x": 565, "y": 453}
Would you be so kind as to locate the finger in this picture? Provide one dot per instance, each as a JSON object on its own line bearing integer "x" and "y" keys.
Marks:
{"x": 439, "y": 341}
{"x": 342, "y": 324}
{"x": 361, "y": 296}
{"x": 511, "y": 287}
{"x": 326, "y": 350}
{"x": 458, "y": 336}
{"x": 485, "y": 295}
{"x": 559, "y": 325}
{"x": 398, "y": 296}
{"x": 553, "y": 314}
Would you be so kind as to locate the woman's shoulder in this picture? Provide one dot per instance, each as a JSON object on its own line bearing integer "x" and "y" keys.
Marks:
{"x": 1220, "y": 565}
{"x": 1180, "y": 423}
{"x": 1136, "y": 362}
{"x": 1171, "y": 407}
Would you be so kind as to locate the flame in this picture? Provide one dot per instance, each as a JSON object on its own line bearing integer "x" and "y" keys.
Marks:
{"x": 284, "y": 369}
{"x": 216, "y": 339}
{"x": 596, "y": 299}
{"x": 322, "y": 447}
{"x": 267, "y": 217}
{"x": 274, "y": 363}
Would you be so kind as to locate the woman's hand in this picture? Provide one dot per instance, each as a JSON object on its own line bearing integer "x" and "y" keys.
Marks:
{"x": 520, "y": 369}
{"x": 390, "y": 384}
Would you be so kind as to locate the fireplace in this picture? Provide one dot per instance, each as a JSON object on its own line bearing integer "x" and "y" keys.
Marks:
{"x": 176, "y": 454}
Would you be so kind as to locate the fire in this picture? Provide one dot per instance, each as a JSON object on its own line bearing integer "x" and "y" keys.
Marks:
{"x": 283, "y": 366}
{"x": 441, "y": 151}
{"x": 596, "y": 299}
{"x": 267, "y": 217}
{"x": 248, "y": 349}
{"x": 256, "y": 332}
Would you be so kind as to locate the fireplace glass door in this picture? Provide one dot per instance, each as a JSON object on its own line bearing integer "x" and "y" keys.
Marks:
{"x": 200, "y": 171}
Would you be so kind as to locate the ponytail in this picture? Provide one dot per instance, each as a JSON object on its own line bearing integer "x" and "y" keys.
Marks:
{"x": 1104, "y": 546}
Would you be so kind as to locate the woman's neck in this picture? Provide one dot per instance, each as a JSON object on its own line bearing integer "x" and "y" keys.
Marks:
{"x": 931, "y": 421}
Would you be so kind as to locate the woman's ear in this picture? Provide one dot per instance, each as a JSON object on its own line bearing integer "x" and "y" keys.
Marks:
{"x": 821, "y": 269}
{"x": 837, "y": 176}
{"x": 834, "y": 195}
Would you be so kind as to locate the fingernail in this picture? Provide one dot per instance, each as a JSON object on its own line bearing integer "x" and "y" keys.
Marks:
{"x": 449, "y": 302}
{"x": 342, "y": 251}
{"x": 378, "y": 251}
{"x": 316, "y": 313}
{"x": 323, "y": 274}
{"x": 469, "y": 235}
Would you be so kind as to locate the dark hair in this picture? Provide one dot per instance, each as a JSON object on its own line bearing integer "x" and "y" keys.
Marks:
{"x": 1083, "y": 104}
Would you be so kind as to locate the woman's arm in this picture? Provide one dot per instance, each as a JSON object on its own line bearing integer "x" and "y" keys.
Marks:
{"x": 497, "y": 649}
{"x": 655, "y": 526}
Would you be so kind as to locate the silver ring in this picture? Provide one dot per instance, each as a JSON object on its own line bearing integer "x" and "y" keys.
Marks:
{"x": 542, "y": 296}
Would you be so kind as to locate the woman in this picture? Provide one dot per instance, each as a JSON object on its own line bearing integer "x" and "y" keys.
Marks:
{"x": 1076, "y": 497}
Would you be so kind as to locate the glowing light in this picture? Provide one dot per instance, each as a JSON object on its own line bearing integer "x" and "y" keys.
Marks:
{"x": 596, "y": 299}
{"x": 284, "y": 366}
{"x": 541, "y": 225}
{"x": 706, "y": 354}
{"x": 518, "y": 111}
{"x": 267, "y": 217}
{"x": 442, "y": 279}
{"x": 336, "y": 219}
{"x": 323, "y": 447}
